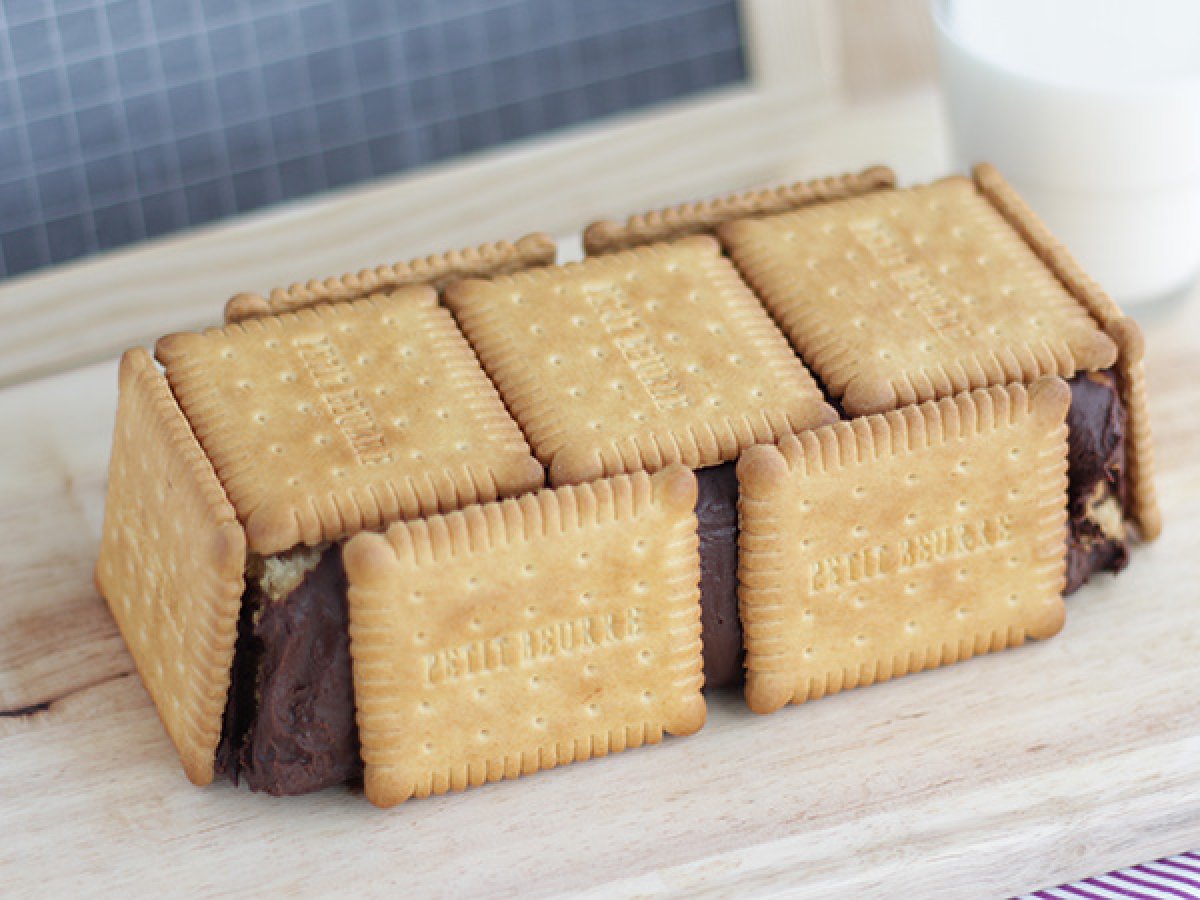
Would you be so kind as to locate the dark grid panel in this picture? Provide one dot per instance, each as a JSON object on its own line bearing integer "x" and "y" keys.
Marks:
{"x": 126, "y": 119}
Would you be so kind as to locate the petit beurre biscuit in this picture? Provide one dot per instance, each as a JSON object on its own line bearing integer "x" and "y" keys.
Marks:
{"x": 635, "y": 360}
{"x": 437, "y": 270}
{"x": 171, "y": 561}
{"x": 1131, "y": 369}
{"x": 898, "y": 542}
{"x": 908, "y": 295}
{"x": 341, "y": 417}
{"x": 502, "y": 639}
{"x": 904, "y": 296}
{"x": 704, "y": 216}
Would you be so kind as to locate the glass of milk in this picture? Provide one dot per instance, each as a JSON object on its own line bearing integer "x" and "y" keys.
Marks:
{"x": 1091, "y": 108}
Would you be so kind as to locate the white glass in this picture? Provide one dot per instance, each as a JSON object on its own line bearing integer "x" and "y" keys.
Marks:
{"x": 1091, "y": 108}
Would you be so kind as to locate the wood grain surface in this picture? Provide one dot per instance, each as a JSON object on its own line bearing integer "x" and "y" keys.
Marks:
{"x": 1002, "y": 774}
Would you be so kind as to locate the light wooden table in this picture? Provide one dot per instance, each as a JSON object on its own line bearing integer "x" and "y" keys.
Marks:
{"x": 1003, "y": 774}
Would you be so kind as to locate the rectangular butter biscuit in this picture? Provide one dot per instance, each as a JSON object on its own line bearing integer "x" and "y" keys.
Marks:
{"x": 900, "y": 542}
{"x": 437, "y": 271}
{"x": 502, "y": 639}
{"x": 340, "y": 417}
{"x": 1143, "y": 507}
{"x": 636, "y": 360}
{"x": 903, "y": 296}
{"x": 171, "y": 560}
{"x": 704, "y": 216}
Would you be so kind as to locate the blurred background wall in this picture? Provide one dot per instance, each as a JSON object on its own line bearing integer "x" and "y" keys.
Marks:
{"x": 122, "y": 120}
{"x": 126, "y": 119}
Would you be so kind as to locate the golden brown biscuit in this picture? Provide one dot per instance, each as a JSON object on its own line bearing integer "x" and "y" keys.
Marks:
{"x": 904, "y": 296}
{"x": 340, "y": 417}
{"x": 636, "y": 360}
{"x": 704, "y": 216}
{"x": 171, "y": 562}
{"x": 1139, "y": 449}
{"x": 516, "y": 636}
{"x": 437, "y": 271}
{"x": 899, "y": 542}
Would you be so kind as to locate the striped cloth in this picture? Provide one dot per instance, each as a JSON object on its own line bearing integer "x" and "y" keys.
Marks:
{"x": 1172, "y": 878}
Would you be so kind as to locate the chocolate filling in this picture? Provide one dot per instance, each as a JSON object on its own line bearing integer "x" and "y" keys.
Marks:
{"x": 716, "y": 513}
{"x": 289, "y": 723}
{"x": 1096, "y": 492}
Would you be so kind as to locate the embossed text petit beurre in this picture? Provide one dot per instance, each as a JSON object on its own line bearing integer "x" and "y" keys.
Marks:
{"x": 520, "y": 635}
{"x": 898, "y": 542}
{"x": 340, "y": 417}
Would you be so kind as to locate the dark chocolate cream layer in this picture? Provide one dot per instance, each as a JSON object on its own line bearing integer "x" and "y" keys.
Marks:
{"x": 717, "y": 517}
{"x": 1096, "y": 492}
{"x": 289, "y": 723}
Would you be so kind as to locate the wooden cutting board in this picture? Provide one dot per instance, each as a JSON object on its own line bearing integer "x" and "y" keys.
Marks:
{"x": 1001, "y": 774}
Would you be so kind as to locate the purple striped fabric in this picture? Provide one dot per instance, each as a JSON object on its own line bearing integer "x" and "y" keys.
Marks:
{"x": 1173, "y": 878}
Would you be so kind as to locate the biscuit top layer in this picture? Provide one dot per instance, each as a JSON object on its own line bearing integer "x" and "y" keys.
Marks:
{"x": 337, "y": 418}
{"x": 902, "y": 296}
{"x": 638, "y": 359}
